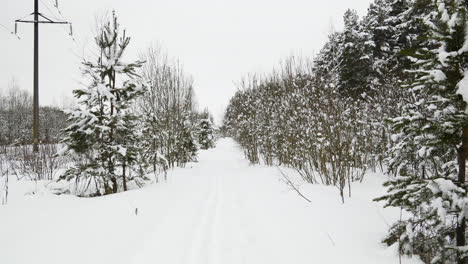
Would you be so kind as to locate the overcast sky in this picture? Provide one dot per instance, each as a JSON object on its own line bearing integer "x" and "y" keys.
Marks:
{"x": 218, "y": 42}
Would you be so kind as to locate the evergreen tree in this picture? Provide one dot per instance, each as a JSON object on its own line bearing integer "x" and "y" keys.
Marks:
{"x": 431, "y": 141}
{"x": 186, "y": 144}
{"x": 206, "y": 138}
{"x": 354, "y": 65}
{"x": 103, "y": 128}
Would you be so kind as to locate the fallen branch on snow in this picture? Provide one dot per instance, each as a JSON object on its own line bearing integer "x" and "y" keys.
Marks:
{"x": 289, "y": 182}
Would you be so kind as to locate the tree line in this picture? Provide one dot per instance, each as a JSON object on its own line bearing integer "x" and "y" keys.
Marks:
{"x": 16, "y": 118}
{"x": 387, "y": 92}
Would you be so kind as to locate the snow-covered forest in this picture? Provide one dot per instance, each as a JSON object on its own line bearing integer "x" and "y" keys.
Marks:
{"x": 385, "y": 94}
{"x": 356, "y": 154}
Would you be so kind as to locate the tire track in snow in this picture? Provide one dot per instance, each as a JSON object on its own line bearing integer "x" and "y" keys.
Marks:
{"x": 211, "y": 241}
{"x": 198, "y": 250}
{"x": 241, "y": 234}
{"x": 175, "y": 224}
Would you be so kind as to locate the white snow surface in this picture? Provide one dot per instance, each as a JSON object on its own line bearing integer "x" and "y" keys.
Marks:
{"x": 219, "y": 210}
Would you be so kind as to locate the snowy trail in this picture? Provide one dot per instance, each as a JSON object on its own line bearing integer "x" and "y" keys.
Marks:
{"x": 212, "y": 232}
{"x": 220, "y": 210}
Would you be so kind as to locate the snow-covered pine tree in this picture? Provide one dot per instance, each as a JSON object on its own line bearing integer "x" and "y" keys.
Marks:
{"x": 103, "y": 128}
{"x": 384, "y": 31}
{"x": 353, "y": 64}
{"x": 326, "y": 64}
{"x": 206, "y": 138}
{"x": 151, "y": 144}
{"x": 186, "y": 143}
{"x": 128, "y": 134}
{"x": 431, "y": 141}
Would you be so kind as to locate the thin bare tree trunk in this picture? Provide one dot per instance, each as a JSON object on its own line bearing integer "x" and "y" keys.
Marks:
{"x": 462, "y": 153}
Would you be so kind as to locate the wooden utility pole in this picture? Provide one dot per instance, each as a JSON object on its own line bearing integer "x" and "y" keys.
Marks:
{"x": 36, "y": 78}
{"x": 36, "y": 23}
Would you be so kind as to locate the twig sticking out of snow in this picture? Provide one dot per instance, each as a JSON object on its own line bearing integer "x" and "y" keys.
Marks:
{"x": 331, "y": 239}
{"x": 288, "y": 181}
{"x": 382, "y": 216}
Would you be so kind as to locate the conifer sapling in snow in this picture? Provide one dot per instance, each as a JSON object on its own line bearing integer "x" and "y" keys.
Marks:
{"x": 103, "y": 128}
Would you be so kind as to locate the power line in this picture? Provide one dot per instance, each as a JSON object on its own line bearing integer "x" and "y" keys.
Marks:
{"x": 51, "y": 12}
{"x": 79, "y": 42}
{"x": 9, "y": 31}
{"x": 58, "y": 9}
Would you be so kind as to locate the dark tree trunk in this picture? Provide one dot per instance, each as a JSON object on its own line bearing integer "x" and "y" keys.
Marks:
{"x": 124, "y": 177}
{"x": 114, "y": 185}
{"x": 462, "y": 153}
{"x": 111, "y": 136}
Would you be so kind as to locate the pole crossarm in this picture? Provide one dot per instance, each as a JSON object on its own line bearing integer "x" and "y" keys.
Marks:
{"x": 41, "y": 22}
{"x": 47, "y": 21}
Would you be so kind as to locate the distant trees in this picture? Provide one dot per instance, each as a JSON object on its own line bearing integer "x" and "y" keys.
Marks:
{"x": 16, "y": 119}
{"x": 16, "y": 155}
{"x": 206, "y": 132}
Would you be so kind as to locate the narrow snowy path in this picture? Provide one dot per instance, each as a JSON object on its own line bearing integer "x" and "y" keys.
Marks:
{"x": 219, "y": 210}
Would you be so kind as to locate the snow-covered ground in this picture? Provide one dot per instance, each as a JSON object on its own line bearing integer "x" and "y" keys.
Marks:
{"x": 217, "y": 211}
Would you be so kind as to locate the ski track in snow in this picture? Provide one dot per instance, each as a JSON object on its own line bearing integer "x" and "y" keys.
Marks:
{"x": 220, "y": 210}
